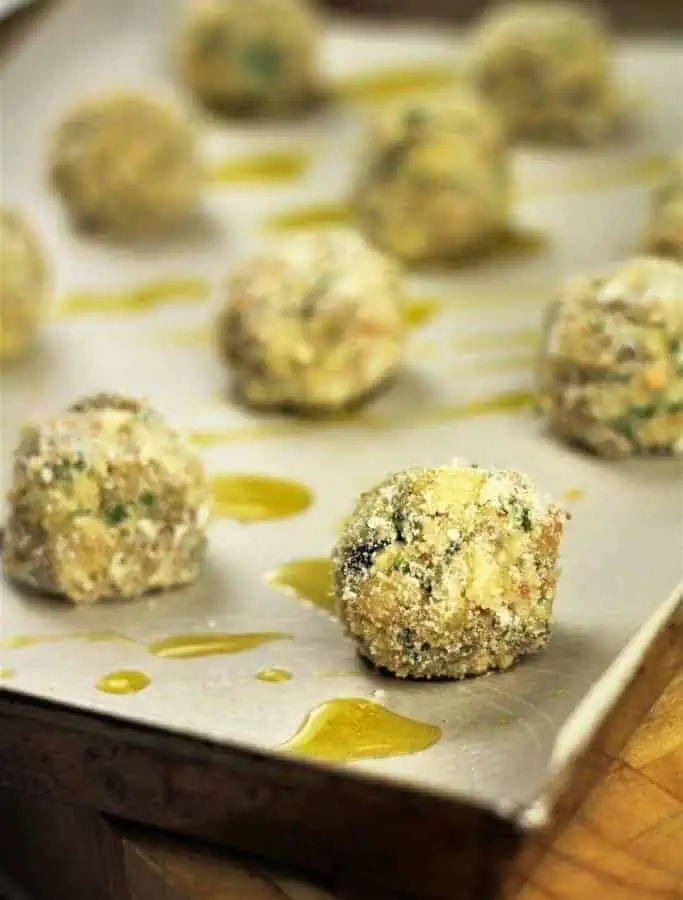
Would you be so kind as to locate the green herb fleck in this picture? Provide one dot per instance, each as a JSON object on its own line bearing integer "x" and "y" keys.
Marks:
{"x": 147, "y": 498}
{"x": 115, "y": 514}
{"x": 525, "y": 518}
{"x": 646, "y": 411}
{"x": 263, "y": 60}
{"x": 415, "y": 116}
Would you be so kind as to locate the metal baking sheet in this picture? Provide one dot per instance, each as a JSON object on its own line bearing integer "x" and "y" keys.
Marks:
{"x": 504, "y": 736}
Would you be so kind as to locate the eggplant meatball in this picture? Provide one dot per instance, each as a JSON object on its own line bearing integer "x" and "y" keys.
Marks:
{"x": 106, "y": 501}
{"x": 126, "y": 164}
{"x": 548, "y": 69}
{"x": 23, "y": 284}
{"x": 449, "y": 571}
{"x": 257, "y": 55}
{"x": 313, "y": 325}
{"x": 434, "y": 195}
{"x": 611, "y": 366}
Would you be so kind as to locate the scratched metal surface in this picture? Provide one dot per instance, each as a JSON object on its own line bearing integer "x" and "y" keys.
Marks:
{"x": 503, "y": 735}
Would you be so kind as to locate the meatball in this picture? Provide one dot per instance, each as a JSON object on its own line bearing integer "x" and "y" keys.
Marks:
{"x": 448, "y": 572}
{"x": 666, "y": 218}
{"x": 313, "y": 325}
{"x": 106, "y": 501}
{"x": 433, "y": 195}
{"x": 461, "y": 110}
{"x": 126, "y": 164}
{"x": 611, "y": 366}
{"x": 260, "y": 54}
{"x": 548, "y": 69}
{"x": 23, "y": 284}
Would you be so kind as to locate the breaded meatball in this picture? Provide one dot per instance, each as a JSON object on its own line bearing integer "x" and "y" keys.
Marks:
{"x": 106, "y": 501}
{"x": 665, "y": 236}
{"x": 611, "y": 366}
{"x": 314, "y": 324}
{"x": 23, "y": 284}
{"x": 548, "y": 69}
{"x": 126, "y": 164}
{"x": 459, "y": 110}
{"x": 449, "y": 571}
{"x": 257, "y": 55}
{"x": 432, "y": 195}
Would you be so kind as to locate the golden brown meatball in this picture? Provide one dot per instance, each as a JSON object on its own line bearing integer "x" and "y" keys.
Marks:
{"x": 611, "y": 366}
{"x": 126, "y": 164}
{"x": 548, "y": 69}
{"x": 448, "y": 572}
{"x": 106, "y": 501}
{"x": 434, "y": 195}
{"x": 23, "y": 284}
{"x": 254, "y": 55}
{"x": 314, "y": 324}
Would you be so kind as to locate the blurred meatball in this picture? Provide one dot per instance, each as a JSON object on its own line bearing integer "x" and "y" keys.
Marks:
{"x": 126, "y": 164}
{"x": 23, "y": 284}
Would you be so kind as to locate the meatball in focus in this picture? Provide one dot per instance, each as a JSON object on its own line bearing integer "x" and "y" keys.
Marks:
{"x": 548, "y": 69}
{"x": 611, "y": 366}
{"x": 449, "y": 571}
{"x": 23, "y": 284}
{"x": 126, "y": 164}
{"x": 312, "y": 325}
{"x": 260, "y": 55}
{"x": 665, "y": 236}
{"x": 106, "y": 501}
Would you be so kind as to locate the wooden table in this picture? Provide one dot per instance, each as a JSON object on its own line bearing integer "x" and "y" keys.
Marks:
{"x": 74, "y": 790}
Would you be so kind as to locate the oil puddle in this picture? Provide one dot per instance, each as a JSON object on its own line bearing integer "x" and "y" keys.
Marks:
{"x": 196, "y": 646}
{"x": 7, "y": 674}
{"x": 349, "y": 728}
{"x": 505, "y": 402}
{"x": 418, "y": 311}
{"x": 258, "y": 498}
{"x": 573, "y": 495}
{"x": 20, "y": 641}
{"x": 274, "y": 676}
{"x": 307, "y": 579}
{"x": 311, "y": 217}
{"x": 139, "y": 299}
{"x": 389, "y": 83}
{"x": 276, "y": 167}
{"x": 125, "y": 681}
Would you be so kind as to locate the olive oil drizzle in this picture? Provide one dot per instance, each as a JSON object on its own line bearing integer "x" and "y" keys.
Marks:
{"x": 258, "y": 498}
{"x": 308, "y": 579}
{"x": 389, "y": 83}
{"x": 124, "y": 681}
{"x": 350, "y": 728}
{"x": 274, "y": 676}
{"x": 140, "y": 299}
{"x": 505, "y": 402}
{"x": 196, "y": 646}
{"x": 274, "y": 167}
